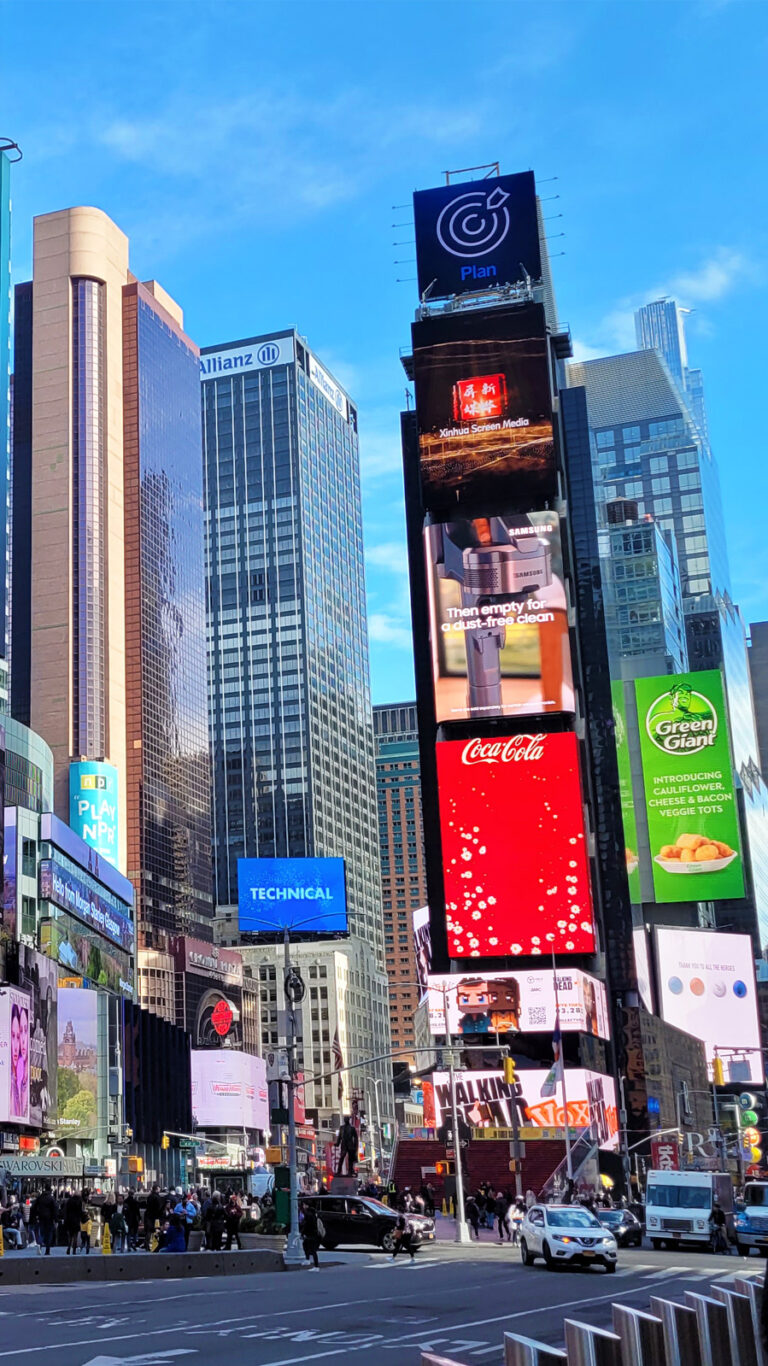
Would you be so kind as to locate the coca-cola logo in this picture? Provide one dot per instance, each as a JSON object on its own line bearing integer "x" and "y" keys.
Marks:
{"x": 513, "y": 749}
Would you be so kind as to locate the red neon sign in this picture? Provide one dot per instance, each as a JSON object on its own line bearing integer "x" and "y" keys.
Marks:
{"x": 485, "y": 396}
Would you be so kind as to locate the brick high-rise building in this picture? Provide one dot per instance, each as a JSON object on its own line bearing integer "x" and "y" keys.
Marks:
{"x": 404, "y": 884}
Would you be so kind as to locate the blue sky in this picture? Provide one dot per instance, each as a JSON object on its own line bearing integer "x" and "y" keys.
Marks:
{"x": 254, "y": 152}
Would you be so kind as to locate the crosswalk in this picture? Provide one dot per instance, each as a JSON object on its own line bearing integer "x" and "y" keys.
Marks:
{"x": 644, "y": 1271}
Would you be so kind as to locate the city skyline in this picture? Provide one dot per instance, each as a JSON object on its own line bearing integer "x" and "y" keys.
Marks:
{"x": 330, "y": 202}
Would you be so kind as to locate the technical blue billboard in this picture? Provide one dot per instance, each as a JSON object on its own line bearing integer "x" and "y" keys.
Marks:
{"x": 306, "y": 896}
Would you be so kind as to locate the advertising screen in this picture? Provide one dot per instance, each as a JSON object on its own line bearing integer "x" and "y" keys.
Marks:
{"x": 511, "y": 1002}
{"x": 15, "y": 1011}
{"x": 476, "y": 233}
{"x": 8, "y": 914}
{"x": 484, "y": 410}
{"x": 93, "y": 806}
{"x": 707, "y": 986}
{"x": 229, "y": 1090}
{"x": 78, "y": 1035}
{"x": 305, "y": 895}
{"x": 514, "y": 851}
{"x": 61, "y": 886}
{"x": 498, "y": 617}
{"x": 643, "y": 967}
{"x": 84, "y": 953}
{"x": 39, "y": 977}
{"x": 693, "y": 822}
{"x": 626, "y": 796}
{"x": 422, "y": 943}
{"x": 484, "y": 1100}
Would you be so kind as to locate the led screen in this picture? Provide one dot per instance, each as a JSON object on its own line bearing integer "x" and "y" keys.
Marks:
{"x": 422, "y": 943}
{"x": 504, "y": 1002}
{"x": 707, "y": 986}
{"x": 484, "y": 410}
{"x": 93, "y": 806}
{"x": 514, "y": 858}
{"x": 78, "y": 1035}
{"x": 39, "y": 976}
{"x": 484, "y": 1100}
{"x": 305, "y": 895}
{"x": 15, "y": 1024}
{"x": 498, "y": 617}
{"x": 476, "y": 234}
{"x": 693, "y": 823}
{"x": 229, "y": 1090}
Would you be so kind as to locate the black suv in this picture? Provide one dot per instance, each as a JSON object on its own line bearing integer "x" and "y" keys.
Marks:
{"x": 360, "y": 1221}
{"x": 626, "y": 1229}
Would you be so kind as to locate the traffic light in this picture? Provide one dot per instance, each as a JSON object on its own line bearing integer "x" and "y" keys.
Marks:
{"x": 445, "y": 1168}
{"x": 718, "y": 1075}
{"x": 509, "y": 1071}
{"x": 166, "y": 1143}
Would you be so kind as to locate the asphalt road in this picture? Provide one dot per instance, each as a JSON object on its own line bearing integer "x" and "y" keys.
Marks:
{"x": 457, "y": 1303}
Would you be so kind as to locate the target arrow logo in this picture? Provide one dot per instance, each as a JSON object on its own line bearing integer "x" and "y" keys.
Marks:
{"x": 475, "y": 223}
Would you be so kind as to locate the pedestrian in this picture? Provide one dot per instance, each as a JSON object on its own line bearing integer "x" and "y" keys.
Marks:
{"x": 9, "y": 1226}
{"x": 473, "y": 1215}
{"x": 234, "y": 1214}
{"x": 516, "y": 1220}
{"x": 132, "y": 1212}
{"x": 311, "y": 1233}
{"x": 717, "y": 1224}
{"x": 118, "y": 1228}
{"x": 86, "y": 1226}
{"x": 46, "y": 1217}
{"x": 218, "y": 1222}
{"x": 501, "y": 1210}
{"x": 186, "y": 1210}
{"x": 73, "y": 1213}
{"x": 404, "y": 1239}
{"x": 172, "y": 1239}
{"x": 152, "y": 1215}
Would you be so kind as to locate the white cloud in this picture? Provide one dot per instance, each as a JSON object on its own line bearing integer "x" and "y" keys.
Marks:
{"x": 389, "y": 555}
{"x": 388, "y": 630}
{"x": 723, "y": 272}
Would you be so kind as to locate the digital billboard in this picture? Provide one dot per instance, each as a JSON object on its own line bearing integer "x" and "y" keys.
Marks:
{"x": 304, "y": 895}
{"x": 229, "y": 1090}
{"x": 484, "y": 410}
{"x": 93, "y": 806}
{"x": 422, "y": 944}
{"x": 707, "y": 987}
{"x": 64, "y": 888}
{"x": 498, "y": 617}
{"x": 476, "y": 233}
{"x": 626, "y": 796}
{"x": 78, "y": 1058}
{"x": 514, "y": 852}
{"x": 484, "y": 1100}
{"x": 39, "y": 976}
{"x": 8, "y": 911}
{"x": 693, "y": 822}
{"x": 14, "y": 1055}
{"x": 524, "y": 1002}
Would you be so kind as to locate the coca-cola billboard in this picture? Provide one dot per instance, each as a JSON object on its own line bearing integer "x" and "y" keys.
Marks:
{"x": 515, "y": 864}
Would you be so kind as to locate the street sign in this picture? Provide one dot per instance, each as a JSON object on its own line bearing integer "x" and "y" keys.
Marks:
{"x": 531, "y": 1133}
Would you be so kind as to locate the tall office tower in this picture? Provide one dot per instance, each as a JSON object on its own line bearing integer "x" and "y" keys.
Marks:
{"x": 289, "y": 698}
{"x": 758, "y": 673}
{"x": 644, "y": 618}
{"x": 108, "y": 615}
{"x": 660, "y": 326}
{"x": 403, "y": 873}
{"x": 5, "y": 410}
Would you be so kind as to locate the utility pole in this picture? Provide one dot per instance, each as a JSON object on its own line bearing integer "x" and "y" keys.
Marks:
{"x": 462, "y": 1229}
{"x": 294, "y": 989}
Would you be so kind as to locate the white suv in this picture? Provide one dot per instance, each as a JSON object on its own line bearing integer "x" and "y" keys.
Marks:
{"x": 566, "y": 1233}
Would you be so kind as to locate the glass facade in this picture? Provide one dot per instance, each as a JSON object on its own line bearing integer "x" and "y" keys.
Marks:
{"x": 5, "y": 393}
{"x": 643, "y": 600}
{"x": 89, "y": 588}
{"x": 169, "y": 835}
{"x": 28, "y": 768}
{"x": 290, "y": 712}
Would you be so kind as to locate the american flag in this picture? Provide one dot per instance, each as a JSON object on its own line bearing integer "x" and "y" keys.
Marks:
{"x": 555, "y": 1073}
{"x": 338, "y": 1061}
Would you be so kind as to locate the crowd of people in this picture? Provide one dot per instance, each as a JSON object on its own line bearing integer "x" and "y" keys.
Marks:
{"x": 159, "y": 1220}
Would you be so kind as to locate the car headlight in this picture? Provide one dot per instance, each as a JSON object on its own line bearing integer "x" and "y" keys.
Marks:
{"x": 561, "y": 1238}
{"x": 742, "y": 1221}
{"x": 701, "y": 1223}
{"x": 653, "y": 1222}
{"x": 609, "y": 1242}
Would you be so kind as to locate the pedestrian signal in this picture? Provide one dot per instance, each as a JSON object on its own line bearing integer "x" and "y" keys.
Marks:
{"x": 445, "y": 1168}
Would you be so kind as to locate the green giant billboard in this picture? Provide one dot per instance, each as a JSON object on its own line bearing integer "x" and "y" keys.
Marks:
{"x": 693, "y": 822}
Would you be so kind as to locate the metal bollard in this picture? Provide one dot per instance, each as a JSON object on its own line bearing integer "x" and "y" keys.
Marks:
{"x": 642, "y": 1336}
{"x": 753, "y": 1289}
{"x": 431, "y": 1359}
{"x": 740, "y": 1326}
{"x": 520, "y": 1351}
{"x": 712, "y": 1323}
{"x": 681, "y": 1332}
{"x": 588, "y": 1346}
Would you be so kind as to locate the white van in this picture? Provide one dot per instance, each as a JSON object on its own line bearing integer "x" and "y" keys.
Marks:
{"x": 678, "y": 1206}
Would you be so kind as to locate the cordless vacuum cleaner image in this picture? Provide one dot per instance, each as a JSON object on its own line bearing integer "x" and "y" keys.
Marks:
{"x": 495, "y": 562}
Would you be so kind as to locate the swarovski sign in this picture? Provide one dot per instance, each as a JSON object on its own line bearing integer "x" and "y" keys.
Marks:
{"x": 239, "y": 359}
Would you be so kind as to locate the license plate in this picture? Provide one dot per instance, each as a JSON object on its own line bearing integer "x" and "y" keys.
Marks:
{"x": 588, "y": 1254}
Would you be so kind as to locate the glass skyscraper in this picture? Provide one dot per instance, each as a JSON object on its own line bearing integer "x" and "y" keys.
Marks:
{"x": 289, "y": 693}
{"x": 5, "y": 410}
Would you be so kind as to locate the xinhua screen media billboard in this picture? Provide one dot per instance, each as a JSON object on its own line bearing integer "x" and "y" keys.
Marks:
{"x": 484, "y": 410}
{"x": 515, "y": 865}
{"x": 307, "y": 896}
{"x": 229, "y": 1090}
{"x": 93, "y": 806}
{"x": 484, "y": 1100}
{"x": 483, "y": 1004}
{"x": 15, "y": 1063}
{"x": 476, "y": 233}
{"x": 693, "y": 822}
{"x": 498, "y": 617}
{"x": 707, "y": 987}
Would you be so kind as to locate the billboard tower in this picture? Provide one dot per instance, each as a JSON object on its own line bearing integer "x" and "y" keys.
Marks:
{"x": 521, "y": 840}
